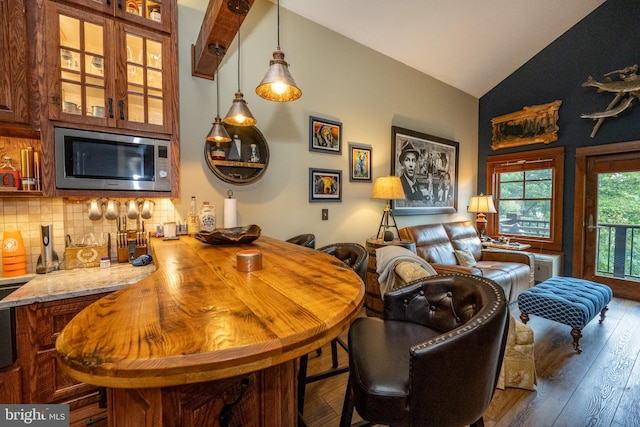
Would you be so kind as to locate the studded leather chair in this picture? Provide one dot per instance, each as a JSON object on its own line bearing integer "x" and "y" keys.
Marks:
{"x": 308, "y": 240}
{"x": 435, "y": 358}
{"x": 356, "y": 257}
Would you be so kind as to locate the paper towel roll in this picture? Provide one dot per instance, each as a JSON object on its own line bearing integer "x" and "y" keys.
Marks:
{"x": 230, "y": 220}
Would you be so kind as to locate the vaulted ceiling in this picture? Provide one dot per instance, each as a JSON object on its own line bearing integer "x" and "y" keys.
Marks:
{"x": 469, "y": 44}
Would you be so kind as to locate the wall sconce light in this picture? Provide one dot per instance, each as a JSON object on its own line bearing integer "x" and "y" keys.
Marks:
{"x": 387, "y": 188}
{"x": 278, "y": 84}
{"x": 239, "y": 114}
{"x": 481, "y": 204}
{"x": 218, "y": 133}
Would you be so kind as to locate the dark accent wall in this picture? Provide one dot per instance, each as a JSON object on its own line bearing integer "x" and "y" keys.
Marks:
{"x": 606, "y": 40}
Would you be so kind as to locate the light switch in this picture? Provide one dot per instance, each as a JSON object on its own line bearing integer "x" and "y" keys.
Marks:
{"x": 325, "y": 214}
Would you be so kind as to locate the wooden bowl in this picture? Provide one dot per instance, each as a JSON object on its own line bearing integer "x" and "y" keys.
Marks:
{"x": 230, "y": 236}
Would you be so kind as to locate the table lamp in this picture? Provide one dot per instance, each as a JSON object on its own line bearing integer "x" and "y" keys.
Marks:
{"x": 388, "y": 188}
{"x": 481, "y": 204}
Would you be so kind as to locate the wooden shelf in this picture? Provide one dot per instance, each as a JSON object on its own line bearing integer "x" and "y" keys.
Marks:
{"x": 238, "y": 171}
{"x": 234, "y": 164}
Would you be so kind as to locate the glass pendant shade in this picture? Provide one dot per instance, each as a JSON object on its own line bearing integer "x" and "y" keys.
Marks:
{"x": 239, "y": 114}
{"x": 278, "y": 84}
{"x": 218, "y": 133}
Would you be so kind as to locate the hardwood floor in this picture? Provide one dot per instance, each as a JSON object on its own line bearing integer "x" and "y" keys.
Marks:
{"x": 599, "y": 387}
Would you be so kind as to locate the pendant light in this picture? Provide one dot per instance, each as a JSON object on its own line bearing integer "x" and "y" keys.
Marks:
{"x": 239, "y": 114}
{"x": 218, "y": 133}
{"x": 278, "y": 83}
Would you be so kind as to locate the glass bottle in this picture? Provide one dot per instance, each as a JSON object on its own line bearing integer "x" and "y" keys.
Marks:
{"x": 9, "y": 175}
{"x": 207, "y": 217}
{"x": 193, "y": 219}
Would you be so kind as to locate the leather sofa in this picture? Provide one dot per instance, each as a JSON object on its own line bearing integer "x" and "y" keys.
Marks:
{"x": 437, "y": 243}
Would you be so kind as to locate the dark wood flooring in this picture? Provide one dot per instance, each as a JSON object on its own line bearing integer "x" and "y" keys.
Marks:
{"x": 599, "y": 387}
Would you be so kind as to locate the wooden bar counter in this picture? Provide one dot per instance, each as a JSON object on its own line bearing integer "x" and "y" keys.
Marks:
{"x": 194, "y": 336}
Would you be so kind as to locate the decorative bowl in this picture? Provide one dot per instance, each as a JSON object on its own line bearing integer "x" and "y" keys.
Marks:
{"x": 230, "y": 236}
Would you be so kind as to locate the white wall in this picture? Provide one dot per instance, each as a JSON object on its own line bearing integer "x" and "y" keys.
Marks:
{"x": 340, "y": 80}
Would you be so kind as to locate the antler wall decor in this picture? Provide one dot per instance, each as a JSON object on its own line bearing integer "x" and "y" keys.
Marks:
{"x": 627, "y": 89}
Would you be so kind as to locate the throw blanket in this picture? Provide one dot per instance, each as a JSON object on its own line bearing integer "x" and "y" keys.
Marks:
{"x": 388, "y": 257}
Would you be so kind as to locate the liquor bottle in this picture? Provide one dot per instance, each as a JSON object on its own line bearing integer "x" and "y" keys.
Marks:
{"x": 193, "y": 219}
{"x": 207, "y": 217}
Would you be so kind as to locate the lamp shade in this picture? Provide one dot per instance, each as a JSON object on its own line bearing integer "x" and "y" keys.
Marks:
{"x": 239, "y": 114}
{"x": 218, "y": 133}
{"x": 278, "y": 84}
{"x": 481, "y": 204}
{"x": 388, "y": 188}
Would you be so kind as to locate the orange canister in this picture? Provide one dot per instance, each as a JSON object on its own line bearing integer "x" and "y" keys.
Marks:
{"x": 249, "y": 260}
{"x": 14, "y": 260}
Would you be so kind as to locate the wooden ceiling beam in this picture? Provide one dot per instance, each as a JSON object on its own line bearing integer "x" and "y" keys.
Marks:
{"x": 219, "y": 26}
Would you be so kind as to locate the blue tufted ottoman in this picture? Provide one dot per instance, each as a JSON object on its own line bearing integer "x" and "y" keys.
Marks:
{"x": 574, "y": 302}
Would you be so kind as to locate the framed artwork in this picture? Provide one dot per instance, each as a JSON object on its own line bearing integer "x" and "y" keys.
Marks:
{"x": 359, "y": 162}
{"x": 325, "y": 135}
{"x": 325, "y": 185}
{"x": 428, "y": 169}
{"x": 531, "y": 125}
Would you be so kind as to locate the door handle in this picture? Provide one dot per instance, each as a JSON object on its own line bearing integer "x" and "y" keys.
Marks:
{"x": 110, "y": 107}
{"x": 121, "y": 105}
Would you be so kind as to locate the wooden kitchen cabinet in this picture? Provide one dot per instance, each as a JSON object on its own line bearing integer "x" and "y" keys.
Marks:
{"x": 154, "y": 14}
{"x": 14, "y": 84}
{"x": 108, "y": 72}
{"x": 37, "y": 327}
{"x": 10, "y": 386}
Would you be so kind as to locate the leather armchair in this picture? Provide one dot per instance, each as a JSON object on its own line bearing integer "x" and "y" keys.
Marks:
{"x": 435, "y": 358}
{"x": 308, "y": 240}
{"x": 352, "y": 254}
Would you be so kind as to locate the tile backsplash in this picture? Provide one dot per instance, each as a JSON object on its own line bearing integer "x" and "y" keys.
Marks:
{"x": 70, "y": 217}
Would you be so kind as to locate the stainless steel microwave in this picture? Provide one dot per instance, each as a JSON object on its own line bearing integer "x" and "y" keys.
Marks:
{"x": 87, "y": 160}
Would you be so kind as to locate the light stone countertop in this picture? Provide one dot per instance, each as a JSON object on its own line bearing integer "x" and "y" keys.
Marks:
{"x": 73, "y": 283}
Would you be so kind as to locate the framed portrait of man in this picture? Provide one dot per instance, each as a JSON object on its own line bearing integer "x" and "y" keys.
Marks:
{"x": 428, "y": 169}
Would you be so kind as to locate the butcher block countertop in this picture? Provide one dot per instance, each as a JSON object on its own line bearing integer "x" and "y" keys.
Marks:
{"x": 197, "y": 318}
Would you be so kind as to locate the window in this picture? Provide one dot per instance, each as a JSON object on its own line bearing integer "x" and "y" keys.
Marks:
{"x": 527, "y": 189}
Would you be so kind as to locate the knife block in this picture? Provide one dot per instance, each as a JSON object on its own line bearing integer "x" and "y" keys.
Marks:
{"x": 131, "y": 244}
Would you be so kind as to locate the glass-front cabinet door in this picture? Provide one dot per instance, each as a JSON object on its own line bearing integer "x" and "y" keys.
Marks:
{"x": 150, "y": 13}
{"x": 79, "y": 86}
{"x": 106, "y": 72}
{"x": 143, "y": 92}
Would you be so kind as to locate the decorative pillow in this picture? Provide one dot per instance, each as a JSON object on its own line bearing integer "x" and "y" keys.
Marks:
{"x": 410, "y": 271}
{"x": 465, "y": 257}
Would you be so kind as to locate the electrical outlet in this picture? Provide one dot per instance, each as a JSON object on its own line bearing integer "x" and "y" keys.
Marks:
{"x": 325, "y": 214}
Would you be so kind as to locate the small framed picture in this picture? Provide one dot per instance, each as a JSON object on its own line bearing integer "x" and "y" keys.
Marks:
{"x": 325, "y": 135}
{"x": 359, "y": 162}
{"x": 325, "y": 185}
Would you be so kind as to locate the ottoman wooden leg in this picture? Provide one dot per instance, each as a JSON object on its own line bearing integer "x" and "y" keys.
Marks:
{"x": 524, "y": 316}
{"x": 576, "y": 334}
{"x": 604, "y": 310}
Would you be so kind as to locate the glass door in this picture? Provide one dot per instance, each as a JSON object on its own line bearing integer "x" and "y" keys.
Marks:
{"x": 612, "y": 238}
